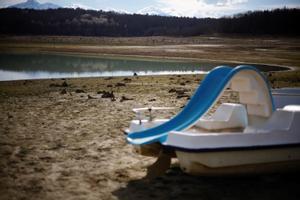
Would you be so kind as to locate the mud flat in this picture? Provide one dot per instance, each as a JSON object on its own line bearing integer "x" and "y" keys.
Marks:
{"x": 63, "y": 139}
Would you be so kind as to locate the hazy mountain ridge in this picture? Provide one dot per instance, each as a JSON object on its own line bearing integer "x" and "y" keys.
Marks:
{"x": 33, "y": 4}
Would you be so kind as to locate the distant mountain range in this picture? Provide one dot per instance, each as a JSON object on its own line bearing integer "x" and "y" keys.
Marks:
{"x": 153, "y": 11}
{"x": 33, "y": 4}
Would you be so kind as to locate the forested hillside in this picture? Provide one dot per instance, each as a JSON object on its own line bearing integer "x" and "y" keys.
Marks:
{"x": 65, "y": 21}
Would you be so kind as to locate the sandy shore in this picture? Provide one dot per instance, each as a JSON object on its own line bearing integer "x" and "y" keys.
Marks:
{"x": 59, "y": 139}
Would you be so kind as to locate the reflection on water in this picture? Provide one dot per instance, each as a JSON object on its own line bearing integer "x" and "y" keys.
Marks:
{"x": 36, "y": 66}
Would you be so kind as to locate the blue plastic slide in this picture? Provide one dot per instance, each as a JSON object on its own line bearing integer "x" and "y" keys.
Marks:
{"x": 204, "y": 97}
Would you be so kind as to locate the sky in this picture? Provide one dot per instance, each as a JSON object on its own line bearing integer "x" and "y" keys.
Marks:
{"x": 187, "y": 8}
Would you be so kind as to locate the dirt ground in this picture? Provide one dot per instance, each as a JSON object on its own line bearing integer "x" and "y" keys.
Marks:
{"x": 60, "y": 139}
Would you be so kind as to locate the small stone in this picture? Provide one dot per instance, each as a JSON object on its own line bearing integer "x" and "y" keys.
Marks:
{"x": 172, "y": 90}
{"x": 64, "y": 84}
{"x": 123, "y": 98}
{"x": 120, "y": 85}
{"x": 127, "y": 79}
{"x": 54, "y": 85}
{"x": 90, "y": 97}
{"x": 182, "y": 96}
{"x": 108, "y": 95}
{"x": 79, "y": 91}
{"x": 63, "y": 91}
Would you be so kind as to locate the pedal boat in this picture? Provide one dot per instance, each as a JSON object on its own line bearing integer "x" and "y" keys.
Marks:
{"x": 260, "y": 134}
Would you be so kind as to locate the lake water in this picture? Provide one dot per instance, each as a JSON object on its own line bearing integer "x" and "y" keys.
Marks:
{"x": 39, "y": 66}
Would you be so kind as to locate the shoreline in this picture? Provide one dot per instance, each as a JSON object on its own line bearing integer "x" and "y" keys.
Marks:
{"x": 146, "y": 58}
{"x": 63, "y": 138}
{"x": 265, "y": 51}
{"x": 156, "y": 58}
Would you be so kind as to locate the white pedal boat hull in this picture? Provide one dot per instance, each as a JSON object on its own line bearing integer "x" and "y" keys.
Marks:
{"x": 269, "y": 147}
{"x": 273, "y": 146}
{"x": 240, "y": 161}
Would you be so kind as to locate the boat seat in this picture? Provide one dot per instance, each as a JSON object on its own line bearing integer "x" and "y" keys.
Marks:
{"x": 227, "y": 116}
{"x": 282, "y": 120}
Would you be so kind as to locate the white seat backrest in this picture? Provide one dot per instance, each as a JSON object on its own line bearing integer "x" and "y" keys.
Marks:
{"x": 227, "y": 115}
{"x": 226, "y": 110}
{"x": 223, "y": 112}
{"x": 231, "y": 113}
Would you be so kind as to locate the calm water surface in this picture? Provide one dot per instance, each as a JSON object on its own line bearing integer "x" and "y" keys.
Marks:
{"x": 39, "y": 66}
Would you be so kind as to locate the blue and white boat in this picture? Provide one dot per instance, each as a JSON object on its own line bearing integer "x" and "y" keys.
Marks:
{"x": 261, "y": 133}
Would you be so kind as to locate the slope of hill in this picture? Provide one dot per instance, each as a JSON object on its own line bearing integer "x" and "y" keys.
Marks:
{"x": 66, "y": 21}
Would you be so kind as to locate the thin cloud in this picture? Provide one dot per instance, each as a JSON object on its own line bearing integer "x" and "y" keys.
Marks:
{"x": 123, "y": 11}
{"x": 199, "y": 8}
{"x": 78, "y": 5}
{"x": 230, "y": 2}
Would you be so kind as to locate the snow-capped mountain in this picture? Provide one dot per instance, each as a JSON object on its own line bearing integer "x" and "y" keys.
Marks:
{"x": 33, "y": 4}
{"x": 151, "y": 10}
